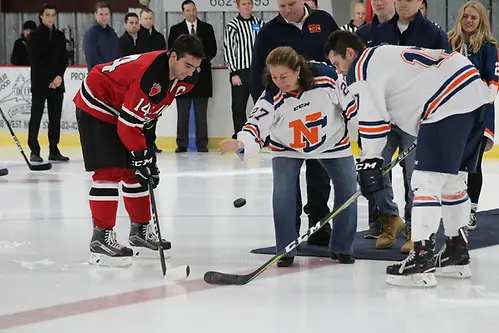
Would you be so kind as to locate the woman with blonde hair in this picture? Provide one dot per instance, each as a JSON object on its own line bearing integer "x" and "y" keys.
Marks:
{"x": 473, "y": 38}
{"x": 304, "y": 109}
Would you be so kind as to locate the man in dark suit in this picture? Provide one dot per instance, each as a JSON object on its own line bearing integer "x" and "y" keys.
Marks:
{"x": 129, "y": 41}
{"x": 204, "y": 88}
{"x": 150, "y": 40}
{"x": 19, "y": 55}
{"x": 48, "y": 60}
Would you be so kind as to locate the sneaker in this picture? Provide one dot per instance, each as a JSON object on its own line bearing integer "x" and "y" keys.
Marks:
{"x": 374, "y": 230}
{"x": 453, "y": 259}
{"x": 144, "y": 236}
{"x": 106, "y": 251}
{"x": 321, "y": 237}
{"x": 417, "y": 270}
{"x": 391, "y": 226}
{"x": 472, "y": 223}
{"x": 58, "y": 157}
{"x": 35, "y": 158}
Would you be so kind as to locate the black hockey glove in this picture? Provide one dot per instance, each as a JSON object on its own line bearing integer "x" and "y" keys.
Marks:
{"x": 369, "y": 176}
{"x": 144, "y": 163}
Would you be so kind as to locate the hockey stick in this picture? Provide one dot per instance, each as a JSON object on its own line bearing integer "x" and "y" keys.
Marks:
{"x": 219, "y": 278}
{"x": 178, "y": 272}
{"x": 33, "y": 167}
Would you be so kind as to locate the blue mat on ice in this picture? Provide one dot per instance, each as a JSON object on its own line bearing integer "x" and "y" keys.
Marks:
{"x": 487, "y": 234}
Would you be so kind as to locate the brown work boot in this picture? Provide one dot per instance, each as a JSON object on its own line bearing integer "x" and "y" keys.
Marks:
{"x": 391, "y": 226}
{"x": 408, "y": 245}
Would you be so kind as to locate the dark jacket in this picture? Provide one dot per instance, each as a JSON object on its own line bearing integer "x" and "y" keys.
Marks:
{"x": 128, "y": 46}
{"x": 204, "y": 87}
{"x": 309, "y": 42}
{"x": 48, "y": 57}
{"x": 100, "y": 45}
{"x": 151, "y": 41}
{"x": 368, "y": 32}
{"x": 421, "y": 32}
{"x": 19, "y": 55}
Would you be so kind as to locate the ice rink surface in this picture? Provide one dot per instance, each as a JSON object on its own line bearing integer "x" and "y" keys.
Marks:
{"x": 47, "y": 286}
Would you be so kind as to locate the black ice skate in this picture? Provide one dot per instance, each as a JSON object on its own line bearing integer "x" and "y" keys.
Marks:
{"x": 106, "y": 251}
{"x": 143, "y": 236}
{"x": 417, "y": 270}
{"x": 472, "y": 222}
{"x": 453, "y": 259}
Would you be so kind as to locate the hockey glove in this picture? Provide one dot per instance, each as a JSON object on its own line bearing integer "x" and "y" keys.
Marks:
{"x": 369, "y": 176}
{"x": 144, "y": 163}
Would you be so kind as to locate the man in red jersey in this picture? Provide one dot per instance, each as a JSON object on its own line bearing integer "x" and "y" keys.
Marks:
{"x": 114, "y": 103}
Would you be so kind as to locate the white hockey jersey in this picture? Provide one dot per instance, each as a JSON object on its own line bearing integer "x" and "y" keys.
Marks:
{"x": 408, "y": 86}
{"x": 307, "y": 124}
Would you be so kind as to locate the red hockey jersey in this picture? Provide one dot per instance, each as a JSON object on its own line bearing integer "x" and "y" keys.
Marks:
{"x": 130, "y": 92}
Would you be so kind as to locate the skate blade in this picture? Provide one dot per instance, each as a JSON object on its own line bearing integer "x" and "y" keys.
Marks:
{"x": 454, "y": 272}
{"x": 107, "y": 261}
{"x": 421, "y": 280}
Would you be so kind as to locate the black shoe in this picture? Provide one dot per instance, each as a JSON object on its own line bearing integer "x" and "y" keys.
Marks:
{"x": 321, "y": 237}
{"x": 343, "y": 258}
{"x": 58, "y": 157}
{"x": 35, "y": 158}
{"x": 144, "y": 235}
{"x": 285, "y": 262}
{"x": 374, "y": 229}
{"x": 4, "y": 172}
{"x": 156, "y": 149}
{"x": 181, "y": 150}
{"x": 202, "y": 149}
{"x": 105, "y": 249}
{"x": 453, "y": 258}
{"x": 418, "y": 269}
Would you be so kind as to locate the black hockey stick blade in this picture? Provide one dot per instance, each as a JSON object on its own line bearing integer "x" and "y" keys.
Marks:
{"x": 4, "y": 172}
{"x": 220, "y": 278}
{"x": 33, "y": 167}
{"x": 156, "y": 223}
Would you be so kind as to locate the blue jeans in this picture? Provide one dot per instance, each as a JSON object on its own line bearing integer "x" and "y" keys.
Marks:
{"x": 342, "y": 173}
{"x": 385, "y": 198}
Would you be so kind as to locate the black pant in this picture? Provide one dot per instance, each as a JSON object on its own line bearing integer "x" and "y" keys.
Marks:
{"x": 150, "y": 135}
{"x": 318, "y": 190}
{"x": 475, "y": 180}
{"x": 54, "y": 99}
{"x": 200, "y": 114}
{"x": 240, "y": 95}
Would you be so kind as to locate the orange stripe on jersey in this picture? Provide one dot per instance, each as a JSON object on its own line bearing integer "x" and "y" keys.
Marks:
{"x": 252, "y": 129}
{"x": 489, "y": 132}
{"x": 324, "y": 80}
{"x": 457, "y": 196}
{"x": 382, "y": 128}
{"x": 424, "y": 198}
{"x": 351, "y": 110}
{"x": 358, "y": 69}
{"x": 278, "y": 97}
{"x": 453, "y": 85}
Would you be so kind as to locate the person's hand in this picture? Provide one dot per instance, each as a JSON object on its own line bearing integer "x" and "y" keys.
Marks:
{"x": 57, "y": 81}
{"x": 230, "y": 146}
{"x": 236, "y": 81}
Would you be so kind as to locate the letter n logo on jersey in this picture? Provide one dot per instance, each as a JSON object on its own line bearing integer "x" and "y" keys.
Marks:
{"x": 306, "y": 135}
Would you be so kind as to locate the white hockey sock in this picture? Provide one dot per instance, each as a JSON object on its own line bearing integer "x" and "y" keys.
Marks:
{"x": 426, "y": 213}
{"x": 455, "y": 212}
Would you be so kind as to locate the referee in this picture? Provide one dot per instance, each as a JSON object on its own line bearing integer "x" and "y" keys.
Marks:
{"x": 240, "y": 35}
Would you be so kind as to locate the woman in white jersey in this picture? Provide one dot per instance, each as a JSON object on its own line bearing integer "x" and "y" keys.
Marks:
{"x": 304, "y": 109}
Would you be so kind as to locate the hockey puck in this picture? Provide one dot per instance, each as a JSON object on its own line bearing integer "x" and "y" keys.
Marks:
{"x": 239, "y": 202}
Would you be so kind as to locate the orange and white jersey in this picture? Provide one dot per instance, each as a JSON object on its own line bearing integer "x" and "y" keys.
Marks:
{"x": 409, "y": 86}
{"x": 304, "y": 124}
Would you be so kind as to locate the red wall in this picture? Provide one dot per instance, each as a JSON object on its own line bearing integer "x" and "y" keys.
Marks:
{"x": 68, "y": 6}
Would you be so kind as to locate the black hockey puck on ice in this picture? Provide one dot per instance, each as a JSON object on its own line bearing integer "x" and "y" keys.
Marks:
{"x": 239, "y": 202}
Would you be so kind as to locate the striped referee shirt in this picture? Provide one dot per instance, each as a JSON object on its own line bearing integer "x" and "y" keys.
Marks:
{"x": 239, "y": 38}
{"x": 350, "y": 27}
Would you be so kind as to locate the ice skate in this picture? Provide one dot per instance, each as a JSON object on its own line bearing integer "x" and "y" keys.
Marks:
{"x": 417, "y": 270}
{"x": 106, "y": 251}
{"x": 144, "y": 240}
{"x": 452, "y": 261}
{"x": 472, "y": 223}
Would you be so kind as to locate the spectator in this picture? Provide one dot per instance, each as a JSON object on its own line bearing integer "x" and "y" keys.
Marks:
{"x": 150, "y": 40}
{"x": 306, "y": 31}
{"x": 129, "y": 43}
{"x": 383, "y": 10}
{"x": 48, "y": 61}
{"x": 472, "y": 37}
{"x": 239, "y": 39}
{"x": 203, "y": 89}
{"x": 101, "y": 43}
{"x": 312, "y": 4}
{"x": 423, "y": 7}
{"x": 407, "y": 27}
{"x": 358, "y": 18}
{"x": 19, "y": 55}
